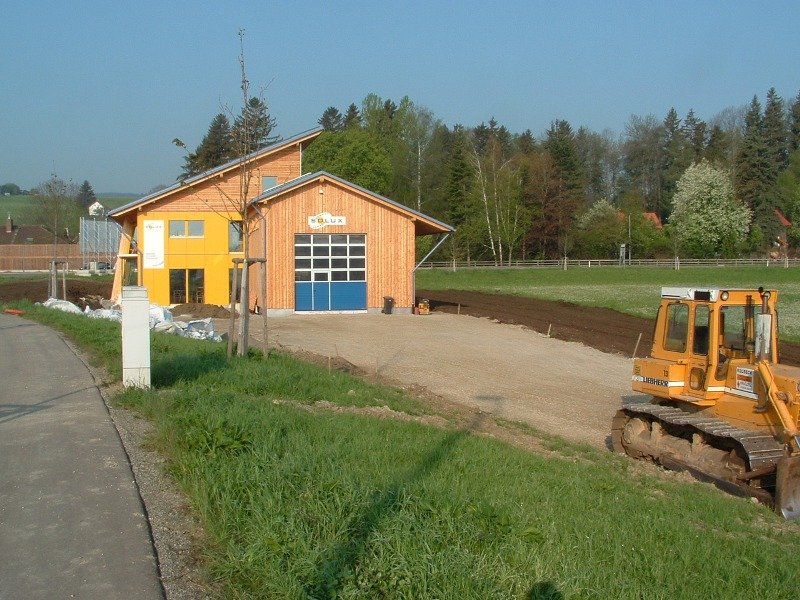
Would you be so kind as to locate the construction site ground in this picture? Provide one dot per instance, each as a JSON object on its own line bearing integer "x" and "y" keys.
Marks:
{"x": 495, "y": 355}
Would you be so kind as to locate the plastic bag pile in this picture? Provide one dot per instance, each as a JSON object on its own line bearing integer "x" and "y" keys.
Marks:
{"x": 160, "y": 320}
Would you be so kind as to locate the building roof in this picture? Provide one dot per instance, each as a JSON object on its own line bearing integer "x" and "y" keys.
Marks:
{"x": 654, "y": 218}
{"x": 233, "y": 164}
{"x": 28, "y": 234}
{"x": 782, "y": 218}
{"x": 423, "y": 224}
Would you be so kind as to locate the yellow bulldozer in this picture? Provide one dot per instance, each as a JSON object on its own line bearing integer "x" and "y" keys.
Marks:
{"x": 718, "y": 402}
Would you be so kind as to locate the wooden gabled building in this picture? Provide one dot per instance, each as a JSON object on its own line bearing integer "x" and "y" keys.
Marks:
{"x": 329, "y": 245}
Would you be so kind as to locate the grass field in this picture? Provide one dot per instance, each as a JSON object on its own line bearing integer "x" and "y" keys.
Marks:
{"x": 633, "y": 290}
{"x": 24, "y": 209}
{"x": 318, "y": 504}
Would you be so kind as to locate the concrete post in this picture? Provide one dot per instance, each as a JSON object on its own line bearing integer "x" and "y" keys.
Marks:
{"x": 135, "y": 337}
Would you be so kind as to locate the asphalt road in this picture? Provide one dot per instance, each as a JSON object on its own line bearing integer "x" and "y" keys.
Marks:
{"x": 72, "y": 524}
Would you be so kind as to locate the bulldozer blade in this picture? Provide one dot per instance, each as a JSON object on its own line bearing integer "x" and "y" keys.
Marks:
{"x": 787, "y": 488}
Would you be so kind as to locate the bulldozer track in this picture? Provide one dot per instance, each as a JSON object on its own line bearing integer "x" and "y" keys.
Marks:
{"x": 760, "y": 450}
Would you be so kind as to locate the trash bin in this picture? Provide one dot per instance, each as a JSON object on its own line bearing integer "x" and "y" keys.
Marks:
{"x": 388, "y": 304}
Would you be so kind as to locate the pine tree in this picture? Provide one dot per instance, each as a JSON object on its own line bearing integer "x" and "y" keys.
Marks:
{"x": 259, "y": 127}
{"x": 753, "y": 169}
{"x": 675, "y": 154}
{"x": 459, "y": 179}
{"x": 560, "y": 144}
{"x": 794, "y": 127}
{"x": 775, "y": 134}
{"x": 716, "y": 151}
{"x": 86, "y": 196}
{"x": 331, "y": 119}
{"x": 694, "y": 131}
{"x": 215, "y": 149}
{"x": 352, "y": 118}
{"x": 525, "y": 143}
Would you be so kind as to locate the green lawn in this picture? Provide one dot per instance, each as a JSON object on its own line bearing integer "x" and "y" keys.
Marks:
{"x": 319, "y": 504}
{"x": 24, "y": 209}
{"x": 632, "y": 290}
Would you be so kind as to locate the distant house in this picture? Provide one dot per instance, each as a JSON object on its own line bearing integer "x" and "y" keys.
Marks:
{"x": 653, "y": 218}
{"x": 648, "y": 216}
{"x": 26, "y": 234}
{"x": 781, "y": 242}
{"x": 96, "y": 209}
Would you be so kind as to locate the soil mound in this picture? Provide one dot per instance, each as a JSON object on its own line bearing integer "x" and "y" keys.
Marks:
{"x": 82, "y": 292}
{"x": 200, "y": 311}
{"x": 600, "y": 328}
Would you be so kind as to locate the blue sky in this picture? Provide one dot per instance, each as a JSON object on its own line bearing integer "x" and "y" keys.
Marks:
{"x": 97, "y": 90}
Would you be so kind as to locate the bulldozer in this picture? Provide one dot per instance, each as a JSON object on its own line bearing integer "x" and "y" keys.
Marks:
{"x": 713, "y": 399}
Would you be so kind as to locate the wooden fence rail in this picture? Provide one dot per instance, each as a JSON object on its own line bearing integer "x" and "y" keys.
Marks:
{"x": 670, "y": 263}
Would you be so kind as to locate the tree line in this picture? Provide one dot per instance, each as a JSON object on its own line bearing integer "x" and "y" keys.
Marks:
{"x": 720, "y": 188}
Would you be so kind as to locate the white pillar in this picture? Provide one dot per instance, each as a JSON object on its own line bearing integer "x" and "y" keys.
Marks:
{"x": 135, "y": 337}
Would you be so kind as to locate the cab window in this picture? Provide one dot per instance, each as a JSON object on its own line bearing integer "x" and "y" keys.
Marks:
{"x": 677, "y": 330}
{"x": 700, "y": 330}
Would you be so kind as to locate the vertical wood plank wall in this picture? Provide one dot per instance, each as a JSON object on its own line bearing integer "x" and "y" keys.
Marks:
{"x": 390, "y": 240}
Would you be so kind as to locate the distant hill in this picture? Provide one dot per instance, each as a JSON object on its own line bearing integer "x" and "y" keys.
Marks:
{"x": 23, "y": 209}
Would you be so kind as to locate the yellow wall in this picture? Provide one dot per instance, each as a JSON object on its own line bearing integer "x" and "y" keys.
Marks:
{"x": 214, "y": 200}
{"x": 209, "y": 253}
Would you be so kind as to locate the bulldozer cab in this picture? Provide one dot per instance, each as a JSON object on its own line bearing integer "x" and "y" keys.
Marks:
{"x": 701, "y": 333}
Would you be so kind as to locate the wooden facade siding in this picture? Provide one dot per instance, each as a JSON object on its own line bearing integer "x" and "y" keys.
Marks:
{"x": 221, "y": 193}
{"x": 389, "y": 237}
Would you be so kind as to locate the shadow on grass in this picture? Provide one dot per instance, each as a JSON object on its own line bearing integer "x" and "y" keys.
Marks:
{"x": 339, "y": 562}
{"x": 167, "y": 371}
{"x": 544, "y": 590}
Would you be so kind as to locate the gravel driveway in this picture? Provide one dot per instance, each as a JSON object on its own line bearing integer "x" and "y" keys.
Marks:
{"x": 562, "y": 388}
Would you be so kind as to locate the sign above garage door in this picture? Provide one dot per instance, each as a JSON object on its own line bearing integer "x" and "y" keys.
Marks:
{"x": 324, "y": 219}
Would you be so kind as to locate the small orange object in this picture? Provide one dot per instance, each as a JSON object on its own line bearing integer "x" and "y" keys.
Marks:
{"x": 14, "y": 311}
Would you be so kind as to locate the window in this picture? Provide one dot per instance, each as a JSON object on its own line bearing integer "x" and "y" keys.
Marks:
{"x": 186, "y": 285}
{"x": 190, "y": 228}
{"x": 330, "y": 257}
{"x": 677, "y": 327}
{"x": 267, "y": 182}
{"x": 732, "y": 326}
{"x": 701, "y": 327}
{"x": 177, "y": 229}
{"x": 196, "y": 228}
{"x": 235, "y": 236}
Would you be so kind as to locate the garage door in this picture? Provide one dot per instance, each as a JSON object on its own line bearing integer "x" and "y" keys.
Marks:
{"x": 330, "y": 272}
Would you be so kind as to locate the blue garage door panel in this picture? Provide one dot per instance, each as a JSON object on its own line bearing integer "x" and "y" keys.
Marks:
{"x": 322, "y": 295}
{"x": 348, "y": 295}
{"x": 302, "y": 296}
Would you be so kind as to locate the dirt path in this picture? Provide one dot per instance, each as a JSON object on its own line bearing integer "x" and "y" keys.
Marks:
{"x": 514, "y": 373}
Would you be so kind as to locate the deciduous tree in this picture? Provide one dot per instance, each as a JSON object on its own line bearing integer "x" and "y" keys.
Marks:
{"x": 352, "y": 155}
{"x": 707, "y": 217}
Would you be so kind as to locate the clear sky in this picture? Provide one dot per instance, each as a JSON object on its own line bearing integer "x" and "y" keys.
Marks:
{"x": 98, "y": 90}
